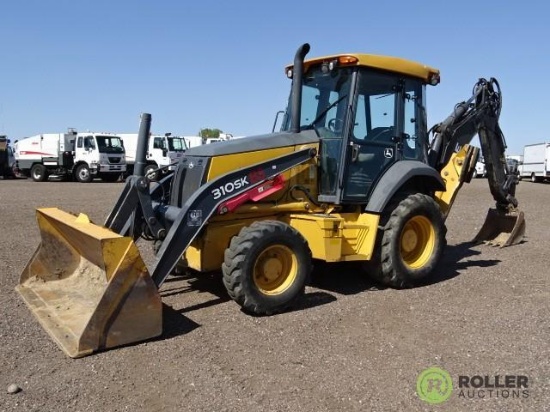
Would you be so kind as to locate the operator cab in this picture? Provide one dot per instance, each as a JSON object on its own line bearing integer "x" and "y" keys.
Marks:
{"x": 369, "y": 113}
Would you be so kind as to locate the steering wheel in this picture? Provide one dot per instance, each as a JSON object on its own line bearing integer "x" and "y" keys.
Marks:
{"x": 380, "y": 133}
{"x": 335, "y": 125}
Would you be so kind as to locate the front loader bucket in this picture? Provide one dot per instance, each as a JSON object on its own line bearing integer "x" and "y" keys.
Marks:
{"x": 88, "y": 286}
{"x": 502, "y": 228}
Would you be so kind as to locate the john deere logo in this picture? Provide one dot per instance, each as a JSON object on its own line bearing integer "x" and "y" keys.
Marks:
{"x": 434, "y": 385}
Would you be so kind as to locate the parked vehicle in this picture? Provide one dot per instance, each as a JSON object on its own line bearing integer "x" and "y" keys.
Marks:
{"x": 163, "y": 151}
{"x": 513, "y": 165}
{"x": 193, "y": 141}
{"x": 6, "y": 158}
{"x": 536, "y": 159}
{"x": 480, "y": 170}
{"x": 261, "y": 210}
{"x": 67, "y": 155}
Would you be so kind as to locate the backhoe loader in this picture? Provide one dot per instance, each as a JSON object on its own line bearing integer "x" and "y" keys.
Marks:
{"x": 354, "y": 174}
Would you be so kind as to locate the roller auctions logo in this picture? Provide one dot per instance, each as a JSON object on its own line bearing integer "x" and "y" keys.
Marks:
{"x": 434, "y": 385}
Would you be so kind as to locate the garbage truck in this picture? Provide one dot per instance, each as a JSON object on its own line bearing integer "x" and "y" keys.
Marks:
{"x": 354, "y": 175}
{"x": 81, "y": 156}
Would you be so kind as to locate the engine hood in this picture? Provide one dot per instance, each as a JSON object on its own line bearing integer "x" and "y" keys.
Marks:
{"x": 254, "y": 143}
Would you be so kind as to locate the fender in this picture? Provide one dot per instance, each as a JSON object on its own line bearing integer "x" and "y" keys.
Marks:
{"x": 396, "y": 177}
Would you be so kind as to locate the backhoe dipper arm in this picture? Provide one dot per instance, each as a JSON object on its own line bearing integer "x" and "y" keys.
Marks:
{"x": 478, "y": 116}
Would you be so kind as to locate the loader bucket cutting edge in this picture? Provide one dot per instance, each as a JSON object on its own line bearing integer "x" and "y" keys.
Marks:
{"x": 88, "y": 286}
{"x": 502, "y": 228}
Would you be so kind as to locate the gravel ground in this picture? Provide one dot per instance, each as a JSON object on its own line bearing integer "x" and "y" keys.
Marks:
{"x": 349, "y": 347}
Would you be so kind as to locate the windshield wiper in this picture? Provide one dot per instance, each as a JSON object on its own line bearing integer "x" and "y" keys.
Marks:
{"x": 324, "y": 112}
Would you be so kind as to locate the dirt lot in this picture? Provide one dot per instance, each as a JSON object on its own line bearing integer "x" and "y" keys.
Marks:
{"x": 347, "y": 348}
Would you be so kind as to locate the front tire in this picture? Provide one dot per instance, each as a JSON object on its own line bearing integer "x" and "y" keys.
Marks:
{"x": 266, "y": 267}
{"x": 152, "y": 172}
{"x": 39, "y": 173}
{"x": 411, "y": 242}
{"x": 83, "y": 174}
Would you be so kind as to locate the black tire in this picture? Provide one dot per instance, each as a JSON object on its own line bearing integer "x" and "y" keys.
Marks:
{"x": 82, "y": 173}
{"x": 39, "y": 173}
{"x": 411, "y": 242}
{"x": 110, "y": 177}
{"x": 266, "y": 267}
{"x": 149, "y": 171}
{"x": 474, "y": 175}
{"x": 535, "y": 178}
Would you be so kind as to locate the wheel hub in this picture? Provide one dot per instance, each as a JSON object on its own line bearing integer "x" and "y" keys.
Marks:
{"x": 272, "y": 268}
{"x": 275, "y": 269}
{"x": 417, "y": 242}
{"x": 409, "y": 241}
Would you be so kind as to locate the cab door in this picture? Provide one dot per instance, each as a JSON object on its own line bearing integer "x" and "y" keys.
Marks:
{"x": 374, "y": 141}
{"x": 389, "y": 125}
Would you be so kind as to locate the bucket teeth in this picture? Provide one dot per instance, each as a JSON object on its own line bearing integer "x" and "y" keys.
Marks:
{"x": 502, "y": 228}
{"x": 88, "y": 286}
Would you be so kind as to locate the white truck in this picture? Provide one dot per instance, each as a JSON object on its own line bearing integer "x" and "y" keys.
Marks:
{"x": 163, "y": 151}
{"x": 65, "y": 155}
{"x": 193, "y": 141}
{"x": 536, "y": 159}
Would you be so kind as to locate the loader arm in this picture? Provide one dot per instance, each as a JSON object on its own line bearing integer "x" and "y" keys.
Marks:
{"x": 195, "y": 213}
{"x": 141, "y": 210}
{"x": 450, "y": 149}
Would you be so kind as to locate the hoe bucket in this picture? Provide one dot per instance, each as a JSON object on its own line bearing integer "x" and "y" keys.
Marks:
{"x": 88, "y": 286}
{"x": 502, "y": 228}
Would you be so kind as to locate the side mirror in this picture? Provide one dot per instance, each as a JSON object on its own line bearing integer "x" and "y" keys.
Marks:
{"x": 164, "y": 152}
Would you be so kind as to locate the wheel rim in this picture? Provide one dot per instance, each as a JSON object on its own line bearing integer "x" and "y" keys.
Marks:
{"x": 417, "y": 242}
{"x": 275, "y": 270}
{"x": 83, "y": 173}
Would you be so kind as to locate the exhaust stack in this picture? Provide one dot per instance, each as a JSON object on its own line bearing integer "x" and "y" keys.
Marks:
{"x": 297, "y": 76}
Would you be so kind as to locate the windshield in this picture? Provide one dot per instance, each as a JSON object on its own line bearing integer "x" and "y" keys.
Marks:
{"x": 109, "y": 144}
{"x": 325, "y": 98}
{"x": 176, "y": 144}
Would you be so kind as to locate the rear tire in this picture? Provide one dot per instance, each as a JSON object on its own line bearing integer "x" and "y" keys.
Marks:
{"x": 411, "y": 242}
{"x": 266, "y": 267}
{"x": 535, "y": 178}
{"x": 83, "y": 174}
{"x": 39, "y": 173}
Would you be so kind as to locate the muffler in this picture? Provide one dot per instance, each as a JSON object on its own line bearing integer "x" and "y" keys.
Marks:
{"x": 88, "y": 286}
{"x": 502, "y": 228}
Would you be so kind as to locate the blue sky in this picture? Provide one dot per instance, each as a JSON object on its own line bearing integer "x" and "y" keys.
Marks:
{"x": 98, "y": 64}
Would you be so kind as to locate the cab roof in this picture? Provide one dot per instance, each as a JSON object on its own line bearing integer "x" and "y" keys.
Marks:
{"x": 388, "y": 63}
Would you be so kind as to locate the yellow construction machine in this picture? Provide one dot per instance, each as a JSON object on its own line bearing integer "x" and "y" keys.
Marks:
{"x": 354, "y": 174}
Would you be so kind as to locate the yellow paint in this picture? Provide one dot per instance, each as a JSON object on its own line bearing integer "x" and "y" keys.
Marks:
{"x": 389, "y": 63}
{"x": 359, "y": 235}
{"x": 338, "y": 237}
{"x": 275, "y": 269}
{"x": 417, "y": 242}
{"x": 454, "y": 174}
{"x": 206, "y": 253}
{"x": 220, "y": 165}
{"x": 88, "y": 286}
